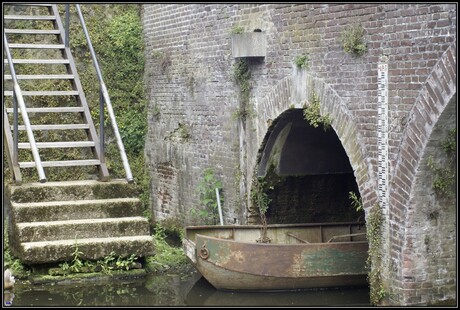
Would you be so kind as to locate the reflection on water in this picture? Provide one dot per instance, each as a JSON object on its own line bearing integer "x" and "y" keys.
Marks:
{"x": 172, "y": 290}
{"x": 204, "y": 294}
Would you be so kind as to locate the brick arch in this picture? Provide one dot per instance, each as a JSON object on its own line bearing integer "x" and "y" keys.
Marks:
{"x": 293, "y": 92}
{"x": 436, "y": 93}
{"x": 436, "y": 96}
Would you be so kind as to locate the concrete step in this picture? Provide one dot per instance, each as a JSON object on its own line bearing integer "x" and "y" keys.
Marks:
{"x": 92, "y": 249}
{"x": 71, "y": 190}
{"x": 75, "y": 209}
{"x": 49, "y": 219}
{"x": 82, "y": 229}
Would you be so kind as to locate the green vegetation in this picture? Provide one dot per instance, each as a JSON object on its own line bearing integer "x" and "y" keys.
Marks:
{"x": 356, "y": 202}
{"x": 261, "y": 200}
{"x": 179, "y": 134}
{"x": 206, "y": 189}
{"x": 18, "y": 269}
{"x": 374, "y": 260}
{"x": 352, "y": 40}
{"x": 119, "y": 47}
{"x": 313, "y": 115}
{"x": 167, "y": 257}
{"x": 105, "y": 265}
{"x": 445, "y": 175}
{"x": 242, "y": 76}
{"x": 301, "y": 61}
{"x": 118, "y": 42}
{"x": 237, "y": 29}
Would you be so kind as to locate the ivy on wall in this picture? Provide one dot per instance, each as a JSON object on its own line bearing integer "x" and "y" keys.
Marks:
{"x": 374, "y": 261}
{"x": 242, "y": 76}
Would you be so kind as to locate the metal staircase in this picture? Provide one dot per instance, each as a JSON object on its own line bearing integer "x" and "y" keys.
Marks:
{"x": 47, "y": 219}
{"x": 42, "y": 40}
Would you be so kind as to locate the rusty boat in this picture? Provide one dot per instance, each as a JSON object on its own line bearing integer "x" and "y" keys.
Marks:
{"x": 297, "y": 256}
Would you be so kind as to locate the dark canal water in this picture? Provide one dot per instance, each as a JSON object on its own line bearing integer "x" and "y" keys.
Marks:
{"x": 173, "y": 290}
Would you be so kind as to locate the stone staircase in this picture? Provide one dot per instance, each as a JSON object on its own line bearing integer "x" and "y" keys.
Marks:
{"x": 47, "y": 221}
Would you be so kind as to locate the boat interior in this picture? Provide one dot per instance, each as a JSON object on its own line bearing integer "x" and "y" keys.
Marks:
{"x": 284, "y": 233}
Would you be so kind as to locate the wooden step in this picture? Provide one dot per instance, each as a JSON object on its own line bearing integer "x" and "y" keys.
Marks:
{"x": 50, "y": 110}
{"x": 29, "y": 17}
{"x": 31, "y": 31}
{"x": 62, "y": 163}
{"x": 40, "y": 46}
{"x": 54, "y": 127}
{"x": 45, "y": 93}
{"x": 41, "y": 77}
{"x": 39, "y": 61}
{"x": 52, "y": 145}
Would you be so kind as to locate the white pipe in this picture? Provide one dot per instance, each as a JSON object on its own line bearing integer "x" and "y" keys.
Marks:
{"x": 218, "y": 205}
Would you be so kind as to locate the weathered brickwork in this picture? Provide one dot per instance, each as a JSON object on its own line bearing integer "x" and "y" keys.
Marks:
{"x": 194, "y": 99}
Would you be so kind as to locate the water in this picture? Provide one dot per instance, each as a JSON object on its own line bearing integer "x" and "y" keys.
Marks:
{"x": 173, "y": 290}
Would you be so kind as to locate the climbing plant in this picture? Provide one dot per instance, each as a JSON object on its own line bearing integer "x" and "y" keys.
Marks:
{"x": 374, "y": 230}
{"x": 242, "y": 76}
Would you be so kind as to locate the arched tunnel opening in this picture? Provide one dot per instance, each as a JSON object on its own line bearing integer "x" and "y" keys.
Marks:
{"x": 306, "y": 173}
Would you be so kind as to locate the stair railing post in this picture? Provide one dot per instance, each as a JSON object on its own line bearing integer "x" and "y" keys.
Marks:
{"x": 15, "y": 131}
{"x": 25, "y": 117}
{"x": 124, "y": 158}
{"x": 101, "y": 121}
{"x": 67, "y": 24}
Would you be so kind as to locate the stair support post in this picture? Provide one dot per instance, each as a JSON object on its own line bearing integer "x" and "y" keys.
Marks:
{"x": 101, "y": 123}
{"x": 67, "y": 24}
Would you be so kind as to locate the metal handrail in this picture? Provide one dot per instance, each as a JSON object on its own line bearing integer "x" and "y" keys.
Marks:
{"x": 105, "y": 96}
{"x": 18, "y": 99}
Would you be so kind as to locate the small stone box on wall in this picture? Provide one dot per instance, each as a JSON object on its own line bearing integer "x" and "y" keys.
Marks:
{"x": 249, "y": 44}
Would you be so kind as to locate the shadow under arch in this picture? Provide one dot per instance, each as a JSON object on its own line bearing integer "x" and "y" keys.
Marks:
{"x": 307, "y": 174}
{"x": 292, "y": 93}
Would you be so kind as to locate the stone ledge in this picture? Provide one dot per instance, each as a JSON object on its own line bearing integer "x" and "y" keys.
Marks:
{"x": 89, "y": 277}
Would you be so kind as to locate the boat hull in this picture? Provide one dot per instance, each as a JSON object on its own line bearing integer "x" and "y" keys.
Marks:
{"x": 223, "y": 279}
{"x": 232, "y": 265}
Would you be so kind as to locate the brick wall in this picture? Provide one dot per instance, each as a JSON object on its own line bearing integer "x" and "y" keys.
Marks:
{"x": 193, "y": 99}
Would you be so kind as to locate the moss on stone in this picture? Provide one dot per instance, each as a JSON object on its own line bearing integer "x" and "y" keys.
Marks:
{"x": 79, "y": 277}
